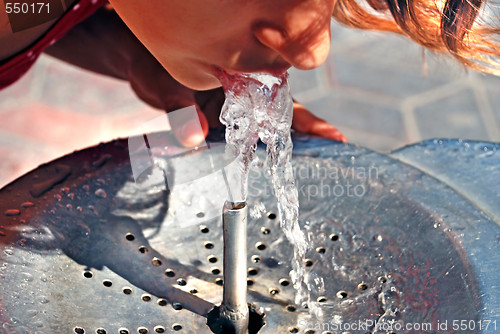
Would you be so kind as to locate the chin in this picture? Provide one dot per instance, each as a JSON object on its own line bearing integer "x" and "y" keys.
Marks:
{"x": 198, "y": 80}
{"x": 202, "y": 84}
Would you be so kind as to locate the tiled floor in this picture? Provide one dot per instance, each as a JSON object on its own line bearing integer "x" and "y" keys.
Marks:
{"x": 372, "y": 88}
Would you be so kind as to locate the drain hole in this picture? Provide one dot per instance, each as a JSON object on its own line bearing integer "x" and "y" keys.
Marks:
{"x": 177, "y": 306}
{"x": 87, "y": 274}
{"x": 382, "y": 279}
{"x": 204, "y": 229}
{"x": 160, "y": 329}
{"x": 176, "y": 327}
{"x": 130, "y": 237}
{"x": 250, "y": 282}
{"x": 362, "y": 286}
{"x": 215, "y": 271}
{"x": 107, "y": 283}
{"x": 310, "y": 331}
{"x": 260, "y": 246}
{"x": 341, "y": 294}
{"x": 193, "y": 291}
{"x": 169, "y": 273}
{"x": 284, "y": 282}
{"x": 127, "y": 291}
{"x": 271, "y": 215}
{"x": 181, "y": 282}
{"x": 143, "y": 250}
{"x": 123, "y": 331}
{"x": 100, "y": 331}
{"x": 142, "y": 330}
{"x": 309, "y": 262}
{"x": 334, "y": 237}
{"x": 209, "y": 245}
{"x": 79, "y": 330}
{"x": 256, "y": 259}
{"x": 321, "y": 250}
{"x": 322, "y": 299}
{"x": 293, "y": 330}
{"x": 156, "y": 262}
{"x": 200, "y": 214}
{"x": 253, "y": 271}
{"x": 265, "y": 230}
{"x": 212, "y": 259}
{"x": 274, "y": 291}
{"x": 146, "y": 298}
{"x": 328, "y": 332}
{"x": 162, "y": 302}
{"x": 219, "y": 281}
{"x": 291, "y": 308}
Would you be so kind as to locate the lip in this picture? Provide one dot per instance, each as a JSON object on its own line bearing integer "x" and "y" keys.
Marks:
{"x": 275, "y": 69}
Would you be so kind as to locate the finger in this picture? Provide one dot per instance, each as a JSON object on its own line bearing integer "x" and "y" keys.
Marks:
{"x": 193, "y": 132}
{"x": 306, "y": 122}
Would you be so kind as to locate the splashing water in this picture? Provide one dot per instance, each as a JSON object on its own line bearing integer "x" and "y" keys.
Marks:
{"x": 260, "y": 106}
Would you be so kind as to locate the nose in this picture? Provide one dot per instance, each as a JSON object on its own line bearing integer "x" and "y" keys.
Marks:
{"x": 304, "y": 43}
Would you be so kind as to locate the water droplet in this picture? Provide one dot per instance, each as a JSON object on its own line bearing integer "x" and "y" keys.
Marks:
{"x": 12, "y": 212}
{"x": 27, "y": 205}
{"x": 437, "y": 225}
{"x": 71, "y": 196}
{"x": 61, "y": 173}
{"x": 101, "y": 161}
{"x": 32, "y": 313}
{"x": 43, "y": 299}
{"x": 100, "y": 193}
{"x": 27, "y": 277}
{"x": 9, "y": 251}
{"x": 57, "y": 197}
{"x": 38, "y": 324}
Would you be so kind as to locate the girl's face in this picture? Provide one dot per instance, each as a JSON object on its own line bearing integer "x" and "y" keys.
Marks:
{"x": 192, "y": 38}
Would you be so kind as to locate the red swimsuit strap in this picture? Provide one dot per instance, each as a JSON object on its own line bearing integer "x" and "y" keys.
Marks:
{"x": 14, "y": 68}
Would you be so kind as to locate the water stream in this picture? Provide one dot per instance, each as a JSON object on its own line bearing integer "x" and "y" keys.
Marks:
{"x": 259, "y": 106}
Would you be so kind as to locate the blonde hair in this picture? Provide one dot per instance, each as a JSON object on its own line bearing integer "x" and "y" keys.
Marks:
{"x": 465, "y": 28}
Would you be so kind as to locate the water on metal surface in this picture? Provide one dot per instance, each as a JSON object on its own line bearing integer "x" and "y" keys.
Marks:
{"x": 92, "y": 251}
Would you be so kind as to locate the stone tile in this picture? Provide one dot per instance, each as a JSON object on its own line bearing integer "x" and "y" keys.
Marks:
{"x": 493, "y": 89}
{"x": 18, "y": 92}
{"x": 360, "y": 115}
{"x": 66, "y": 86}
{"x": 50, "y": 126}
{"x": 456, "y": 116}
{"x": 303, "y": 81}
{"x": 384, "y": 80}
{"x": 19, "y": 156}
{"x": 372, "y": 140}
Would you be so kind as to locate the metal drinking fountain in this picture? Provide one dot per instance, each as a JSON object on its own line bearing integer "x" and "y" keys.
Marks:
{"x": 411, "y": 237}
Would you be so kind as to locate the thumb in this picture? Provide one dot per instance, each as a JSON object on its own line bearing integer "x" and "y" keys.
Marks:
{"x": 193, "y": 131}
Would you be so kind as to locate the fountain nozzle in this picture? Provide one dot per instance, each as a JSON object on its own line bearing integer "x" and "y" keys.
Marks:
{"x": 233, "y": 314}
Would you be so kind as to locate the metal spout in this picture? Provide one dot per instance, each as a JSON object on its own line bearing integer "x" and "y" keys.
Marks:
{"x": 234, "y": 308}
